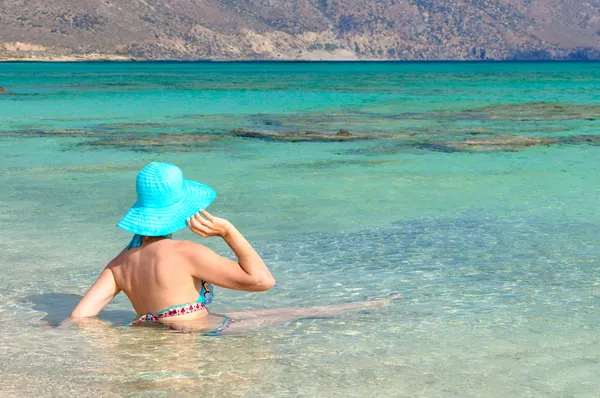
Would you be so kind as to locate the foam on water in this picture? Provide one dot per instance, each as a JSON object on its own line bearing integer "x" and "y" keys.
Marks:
{"x": 495, "y": 253}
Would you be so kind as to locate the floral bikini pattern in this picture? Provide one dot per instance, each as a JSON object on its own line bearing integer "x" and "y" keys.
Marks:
{"x": 171, "y": 311}
{"x": 181, "y": 310}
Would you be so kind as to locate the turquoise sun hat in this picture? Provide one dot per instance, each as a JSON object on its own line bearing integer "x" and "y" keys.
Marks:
{"x": 165, "y": 200}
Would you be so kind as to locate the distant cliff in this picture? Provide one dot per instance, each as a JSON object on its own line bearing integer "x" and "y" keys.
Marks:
{"x": 300, "y": 29}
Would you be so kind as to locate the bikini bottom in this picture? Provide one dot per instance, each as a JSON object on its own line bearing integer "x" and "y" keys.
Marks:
{"x": 181, "y": 310}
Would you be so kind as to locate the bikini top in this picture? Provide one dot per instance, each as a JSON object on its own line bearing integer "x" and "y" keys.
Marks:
{"x": 206, "y": 293}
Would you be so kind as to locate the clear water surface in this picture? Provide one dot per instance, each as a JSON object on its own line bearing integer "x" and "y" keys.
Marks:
{"x": 496, "y": 250}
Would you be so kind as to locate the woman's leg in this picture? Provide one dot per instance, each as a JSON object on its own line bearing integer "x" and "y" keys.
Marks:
{"x": 254, "y": 319}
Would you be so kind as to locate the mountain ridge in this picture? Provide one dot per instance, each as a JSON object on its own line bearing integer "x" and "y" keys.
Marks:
{"x": 300, "y": 30}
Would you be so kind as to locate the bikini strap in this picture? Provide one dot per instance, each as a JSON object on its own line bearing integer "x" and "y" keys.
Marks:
{"x": 206, "y": 294}
{"x": 136, "y": 241}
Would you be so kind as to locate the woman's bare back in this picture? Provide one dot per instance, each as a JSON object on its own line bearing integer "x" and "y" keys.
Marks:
{"x": 156, "y": 276}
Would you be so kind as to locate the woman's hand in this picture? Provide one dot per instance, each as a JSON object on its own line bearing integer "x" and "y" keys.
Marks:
{"x": 209, "y": 226}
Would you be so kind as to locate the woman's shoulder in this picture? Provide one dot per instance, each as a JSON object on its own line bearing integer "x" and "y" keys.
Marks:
{"x": 187, "y": 247}
{"x": 166, "y": 247}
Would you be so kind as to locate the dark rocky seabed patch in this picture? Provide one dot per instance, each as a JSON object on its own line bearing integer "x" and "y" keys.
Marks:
{"x": 327, "y": 164}
{"x": 300, "y": 136}
{"x": 518, "y": 112}
{"x": 391, "y": 144}
{"x": 509, "y": 143}
{"x": 159, "y": 143}
{"x": 535, "y": 111}
{"x": 471, "y": 130}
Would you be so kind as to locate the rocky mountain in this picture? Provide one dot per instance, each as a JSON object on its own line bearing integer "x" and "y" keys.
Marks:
{"x": 300, "y": 29}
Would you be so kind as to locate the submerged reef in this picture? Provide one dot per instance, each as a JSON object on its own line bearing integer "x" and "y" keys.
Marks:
{"x": 496, "y": 128}
{"x": 586, "y": 139}
{"x": 131, "y": 126}
{"x": 317, "y": 165}
{"x": 298, "y": 136}
{"x": 540, "y": 111}
{"x": 60, "y": 132}
{"x": 543, "y": 111}
{"x": 99, "y": 139}
{"x": 159, "y": 143}
{"x": 489, "y": 144}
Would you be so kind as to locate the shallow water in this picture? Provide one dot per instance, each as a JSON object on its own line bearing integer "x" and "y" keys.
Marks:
{"x": 494, "y": 249}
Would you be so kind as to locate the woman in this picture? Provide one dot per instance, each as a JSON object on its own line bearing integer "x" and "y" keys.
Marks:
{"x": 170, "y": 282}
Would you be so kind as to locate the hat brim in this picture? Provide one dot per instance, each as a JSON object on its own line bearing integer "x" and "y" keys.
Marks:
{"x": 166, "y": 220}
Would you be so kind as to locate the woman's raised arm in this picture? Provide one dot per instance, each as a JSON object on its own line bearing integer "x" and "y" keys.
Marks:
{"x": 250, "y": 272}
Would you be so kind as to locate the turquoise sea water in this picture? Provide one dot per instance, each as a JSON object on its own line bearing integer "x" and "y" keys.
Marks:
{"x": 495, "y": 248}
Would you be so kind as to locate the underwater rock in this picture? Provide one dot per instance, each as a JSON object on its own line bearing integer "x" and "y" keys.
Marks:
{"x": 330, "y": 163}
{"x": 163, "y": 142}
{"x": 269, "y": 122}
{"x": 2, "y": 91}
{"x": 297, "y": 136}
{"x": 389, "y": 148}
{"x": 72, "y": 132}
{"x": 159, "y": 143}
{"x": 61, "y": 132}
{"x": 488, "y": 144}
{"x": 129, "y": 126}
{"x": 586, "y": 139}
{"x": 543, "y": 111}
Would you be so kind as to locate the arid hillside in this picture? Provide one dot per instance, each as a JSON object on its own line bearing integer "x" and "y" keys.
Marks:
{"x": 299, "y": 29}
